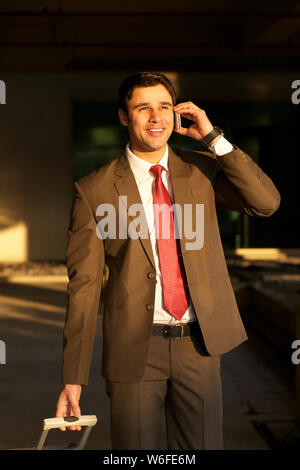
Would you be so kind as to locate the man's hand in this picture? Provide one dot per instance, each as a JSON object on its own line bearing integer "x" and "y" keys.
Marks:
{"x": 68, "y": 404}
{"x": 202, "y": 125}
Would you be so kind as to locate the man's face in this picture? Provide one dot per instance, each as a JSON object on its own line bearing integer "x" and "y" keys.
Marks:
{"x": 150, "y": 118}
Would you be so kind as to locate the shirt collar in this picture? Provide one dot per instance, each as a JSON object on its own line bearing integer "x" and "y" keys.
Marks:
{"x": 140, "y": 167}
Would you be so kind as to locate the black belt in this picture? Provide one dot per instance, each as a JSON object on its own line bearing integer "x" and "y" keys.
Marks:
{"x": 176, "y": 331}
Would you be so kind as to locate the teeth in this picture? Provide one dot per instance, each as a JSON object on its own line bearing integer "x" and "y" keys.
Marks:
{"x": 155, "y": 130}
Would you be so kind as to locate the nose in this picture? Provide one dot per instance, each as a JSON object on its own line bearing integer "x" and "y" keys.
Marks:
{"x": 155, "y": 116}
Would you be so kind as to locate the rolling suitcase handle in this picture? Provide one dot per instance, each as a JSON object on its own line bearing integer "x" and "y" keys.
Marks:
{"x": 53, "y": 423}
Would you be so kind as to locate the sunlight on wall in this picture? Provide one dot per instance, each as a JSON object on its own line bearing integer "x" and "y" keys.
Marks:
{"x": 13, "y": 242}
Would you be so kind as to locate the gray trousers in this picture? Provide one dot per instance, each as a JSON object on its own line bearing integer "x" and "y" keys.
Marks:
{"x": 182, "y": 384}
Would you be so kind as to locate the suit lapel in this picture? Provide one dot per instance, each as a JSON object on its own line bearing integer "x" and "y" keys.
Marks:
{"x": 126, "y": 186}
{"x": 180, "y": 173}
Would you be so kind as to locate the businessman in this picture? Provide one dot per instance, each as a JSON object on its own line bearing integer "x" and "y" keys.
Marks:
{"x": 169, "y": 307}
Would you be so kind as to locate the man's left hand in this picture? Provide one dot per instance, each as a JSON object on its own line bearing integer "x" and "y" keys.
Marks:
{"x": 202, "y": 125}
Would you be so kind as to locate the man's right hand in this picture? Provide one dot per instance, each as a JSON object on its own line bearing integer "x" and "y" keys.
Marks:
{"x": 68, "y": 404}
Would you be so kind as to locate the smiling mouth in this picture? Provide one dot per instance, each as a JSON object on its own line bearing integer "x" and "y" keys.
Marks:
{"x": 155, "y": 132}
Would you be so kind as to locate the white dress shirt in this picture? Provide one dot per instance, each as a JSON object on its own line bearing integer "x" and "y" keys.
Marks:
{"x": 144, "y": 180}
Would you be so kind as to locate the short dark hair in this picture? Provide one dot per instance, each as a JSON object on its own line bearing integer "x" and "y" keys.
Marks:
{"x": 143, "y": 79}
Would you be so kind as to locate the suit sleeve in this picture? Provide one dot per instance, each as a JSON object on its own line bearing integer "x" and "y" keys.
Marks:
{"x": 85, "y": 264}
{"x": 241, "y": 185}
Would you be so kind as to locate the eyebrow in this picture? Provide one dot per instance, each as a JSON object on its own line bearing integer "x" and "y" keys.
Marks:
{"x": 144, "y": 104}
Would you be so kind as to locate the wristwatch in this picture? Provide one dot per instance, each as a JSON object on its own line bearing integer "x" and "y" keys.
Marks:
{"x": 208, "y": 138}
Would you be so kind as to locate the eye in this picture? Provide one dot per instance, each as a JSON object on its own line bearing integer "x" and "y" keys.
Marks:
{"x": 144, "y": 107}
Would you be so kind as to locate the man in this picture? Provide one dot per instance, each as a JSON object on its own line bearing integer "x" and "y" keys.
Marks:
{"x": 169, "y": 308}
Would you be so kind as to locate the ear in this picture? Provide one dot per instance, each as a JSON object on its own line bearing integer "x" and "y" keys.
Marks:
{"x": 123, "y": 117}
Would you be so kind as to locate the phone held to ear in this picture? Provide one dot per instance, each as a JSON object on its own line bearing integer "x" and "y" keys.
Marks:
{"x": 177, "y": 124}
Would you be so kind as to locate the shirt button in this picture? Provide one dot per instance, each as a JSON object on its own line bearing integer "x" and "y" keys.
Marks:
{"x": 151, "y": 275}
{"x": 149, "y": 306}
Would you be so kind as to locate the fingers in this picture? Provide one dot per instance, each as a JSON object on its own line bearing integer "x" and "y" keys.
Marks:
{"x": 72, "y": 409}
{"x": 61, "y": 409}
{"x": 73, "y": 398}
{"x": 202, "y": 125}
{"x": 68, "y": 405}
{"x": 188, "y": 108}
{"x": 190, "y": 111}
{"x": 186, "y": 104}
{"x": 73, "y": 427}
{"x": 75, "y": 411}
{"x": 181, "y": 131}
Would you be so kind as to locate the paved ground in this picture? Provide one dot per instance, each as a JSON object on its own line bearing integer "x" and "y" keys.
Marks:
{"x": 259, "y": 396}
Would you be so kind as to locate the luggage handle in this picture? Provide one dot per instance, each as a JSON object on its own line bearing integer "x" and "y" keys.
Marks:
{"x": 54, "y": 423}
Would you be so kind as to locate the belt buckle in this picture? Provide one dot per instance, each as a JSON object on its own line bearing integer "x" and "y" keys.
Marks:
{"x": 181, "y": 331}
{"x": 167, "y": 329}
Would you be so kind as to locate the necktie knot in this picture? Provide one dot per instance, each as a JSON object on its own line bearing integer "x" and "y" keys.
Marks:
{"x": 157, "y": 170}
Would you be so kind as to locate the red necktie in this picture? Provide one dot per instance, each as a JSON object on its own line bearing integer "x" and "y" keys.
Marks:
{"x": 174, "y": 284}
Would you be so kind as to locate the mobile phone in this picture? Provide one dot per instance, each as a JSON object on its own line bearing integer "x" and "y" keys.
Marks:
{"x": 177, "y": 121}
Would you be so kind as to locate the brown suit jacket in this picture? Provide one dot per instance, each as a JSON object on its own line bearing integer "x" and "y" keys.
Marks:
{"x": 233, "y": 181}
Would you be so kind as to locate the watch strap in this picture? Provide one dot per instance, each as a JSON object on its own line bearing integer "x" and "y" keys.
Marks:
{"x": 208, "y": 138}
